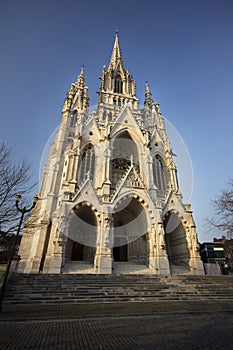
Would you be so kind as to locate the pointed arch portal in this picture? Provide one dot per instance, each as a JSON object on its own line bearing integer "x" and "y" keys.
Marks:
{"x": 176, "y": 244}
{"x": 81, "y": 242}
{"x": 130, "y": 233}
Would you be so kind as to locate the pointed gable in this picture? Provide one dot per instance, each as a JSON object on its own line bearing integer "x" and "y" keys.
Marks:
{"x": 133, "y": 179}
{"x": 126, "y": 120}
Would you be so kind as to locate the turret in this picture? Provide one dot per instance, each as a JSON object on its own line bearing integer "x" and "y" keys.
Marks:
{"x": 77, "y": 97}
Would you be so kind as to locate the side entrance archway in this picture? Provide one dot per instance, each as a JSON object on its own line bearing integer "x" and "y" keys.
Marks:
{"x": 176, "y": 244}
{"x": 81, "y": 241}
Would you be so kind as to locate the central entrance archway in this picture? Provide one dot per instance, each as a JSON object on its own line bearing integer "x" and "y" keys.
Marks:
{"x": 130, "y": 229}
{"x": 81, "y": 242}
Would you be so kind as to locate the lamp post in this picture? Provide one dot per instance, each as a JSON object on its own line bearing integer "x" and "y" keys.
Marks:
{"x": 23, "y": 211}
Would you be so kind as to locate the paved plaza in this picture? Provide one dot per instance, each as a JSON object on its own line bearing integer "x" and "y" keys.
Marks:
{"x": 165, "y": 325}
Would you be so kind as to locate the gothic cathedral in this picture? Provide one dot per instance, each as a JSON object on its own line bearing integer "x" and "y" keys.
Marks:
{"x": 109, "y": 199}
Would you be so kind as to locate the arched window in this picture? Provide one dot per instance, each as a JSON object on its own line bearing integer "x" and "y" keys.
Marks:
{"x": 118, "y": 84}
{"x": 87, "y": 163}
{"x": 124, "y": 152}
{"x": 159, "y": 175}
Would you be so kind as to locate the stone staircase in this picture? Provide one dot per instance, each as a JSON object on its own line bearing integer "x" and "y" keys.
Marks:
{"x": 51, "y": 289}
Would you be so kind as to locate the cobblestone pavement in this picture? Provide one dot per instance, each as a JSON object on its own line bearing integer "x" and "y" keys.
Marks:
{"x": 176, "y": 325}
{"x": 162, "y": 331}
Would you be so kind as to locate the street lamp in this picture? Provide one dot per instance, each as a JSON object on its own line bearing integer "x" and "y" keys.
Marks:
{"x": 23, "y": 211}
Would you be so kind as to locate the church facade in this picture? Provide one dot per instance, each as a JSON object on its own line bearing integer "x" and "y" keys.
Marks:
{"x": 109, "y": 199}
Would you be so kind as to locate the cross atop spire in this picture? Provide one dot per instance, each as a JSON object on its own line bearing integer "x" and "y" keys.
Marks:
{"x": 82, "y": 69}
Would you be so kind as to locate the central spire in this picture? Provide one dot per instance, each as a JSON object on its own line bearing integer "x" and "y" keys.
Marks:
{"x": 116, "y": 52}
{"x": 117, "y": 87}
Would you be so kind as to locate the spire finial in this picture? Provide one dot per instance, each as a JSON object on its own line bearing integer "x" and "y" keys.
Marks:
{"x": 81, "y": 79}
{"x": 117, "y": 31}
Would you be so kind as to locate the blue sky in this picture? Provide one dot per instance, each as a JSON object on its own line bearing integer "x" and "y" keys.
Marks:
{"x": 184, "y": 49}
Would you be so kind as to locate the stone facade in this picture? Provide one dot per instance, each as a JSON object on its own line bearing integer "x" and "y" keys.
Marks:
{"x": 109, "y": 197}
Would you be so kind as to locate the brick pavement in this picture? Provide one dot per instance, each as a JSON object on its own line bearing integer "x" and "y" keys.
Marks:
{"x": 174, "y": 325}
{"x": 181, "y": 331}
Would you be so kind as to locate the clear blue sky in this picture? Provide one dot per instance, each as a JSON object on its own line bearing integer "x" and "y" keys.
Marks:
{"x": 183, "y": 48}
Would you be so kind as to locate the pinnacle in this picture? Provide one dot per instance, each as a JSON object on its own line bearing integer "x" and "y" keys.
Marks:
{"x": 148, "y": 97}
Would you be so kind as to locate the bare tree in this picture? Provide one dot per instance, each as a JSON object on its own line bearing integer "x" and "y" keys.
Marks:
{"x": 223, "y": 207}
{"x": 14, "y": 178}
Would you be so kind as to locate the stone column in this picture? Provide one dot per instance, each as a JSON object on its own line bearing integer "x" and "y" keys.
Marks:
{"x": 53, "y": 181}
{"x": 106, "y": 172}
{"x": 163, "y": 262}
{"x": 53, "y": 260}
{"x": 103, "y": 260}
{"x": 153, "y": 262}
{"x": 73, "y": 173}
{"x": 37, "y": 259}
{"x": 173, "y": 175}
{"x": 152, "y": 188}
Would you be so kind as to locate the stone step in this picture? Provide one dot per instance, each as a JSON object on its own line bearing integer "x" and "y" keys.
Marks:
{"x": 83, "y": 289}
{"x": 53, "y": 289}
{"x": 104, "y": 298}
{"x": 110, "y": 299}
